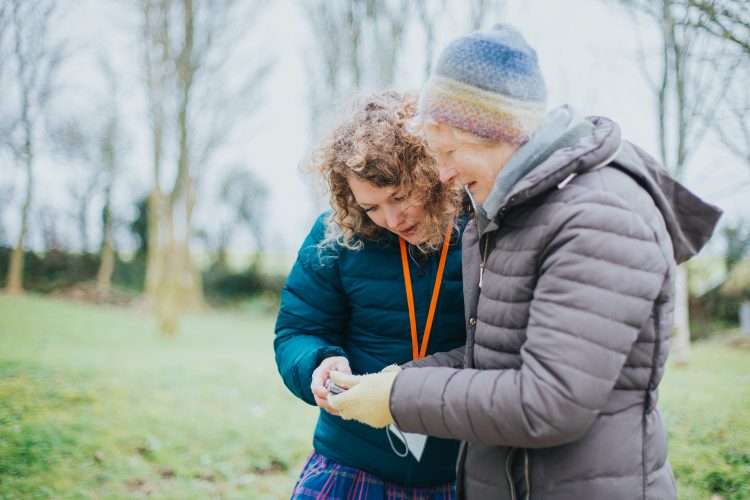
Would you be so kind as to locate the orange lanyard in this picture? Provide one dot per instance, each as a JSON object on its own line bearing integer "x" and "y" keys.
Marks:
{"x": 416, "y": 351}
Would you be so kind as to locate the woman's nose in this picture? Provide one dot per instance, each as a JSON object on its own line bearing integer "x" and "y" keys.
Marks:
{"x": 393, "y": 217}
{"x": 447, "y": 173}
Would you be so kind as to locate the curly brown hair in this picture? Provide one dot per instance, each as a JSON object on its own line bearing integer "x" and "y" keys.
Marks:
{"x": 373, "y": 145}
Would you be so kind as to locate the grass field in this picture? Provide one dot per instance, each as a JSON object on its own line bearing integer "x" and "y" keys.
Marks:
{"x": 94, "y": 403}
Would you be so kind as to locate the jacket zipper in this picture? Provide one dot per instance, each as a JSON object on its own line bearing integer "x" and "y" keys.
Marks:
{"x": 526, "y": 473}
{"x": 509, "y": 475}
{"x": 483, "y": 258}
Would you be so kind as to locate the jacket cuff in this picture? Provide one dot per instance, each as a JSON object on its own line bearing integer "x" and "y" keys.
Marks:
{"x": 327, "y": 352}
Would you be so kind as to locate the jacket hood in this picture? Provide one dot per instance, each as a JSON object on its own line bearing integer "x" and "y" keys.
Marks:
{"x": 690, "y": 221}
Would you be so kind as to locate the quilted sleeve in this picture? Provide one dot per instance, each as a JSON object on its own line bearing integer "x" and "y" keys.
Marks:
{"x": 598, "y": 277}
{"x": 312, "y": 318}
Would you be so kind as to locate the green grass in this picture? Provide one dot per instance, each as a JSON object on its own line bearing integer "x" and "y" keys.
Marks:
{"x": 706, "y": 407}
{"x": 94, "y": 403}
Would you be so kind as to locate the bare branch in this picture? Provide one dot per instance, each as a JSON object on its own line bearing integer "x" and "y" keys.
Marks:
{"x": 724, "y": 19}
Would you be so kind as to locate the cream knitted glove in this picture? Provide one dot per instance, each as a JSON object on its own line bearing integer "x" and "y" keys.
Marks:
{"x": 367, "y": 399}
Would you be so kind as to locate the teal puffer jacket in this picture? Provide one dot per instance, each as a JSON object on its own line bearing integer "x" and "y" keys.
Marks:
{"x": 340, "y": 302}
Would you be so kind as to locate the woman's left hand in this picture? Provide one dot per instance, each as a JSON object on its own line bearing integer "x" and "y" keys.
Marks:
{"x": 320, "y": 377}
{"x": 367, "y": 398}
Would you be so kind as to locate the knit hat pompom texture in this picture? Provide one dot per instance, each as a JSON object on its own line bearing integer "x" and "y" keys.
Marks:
{"x": 487, "y": 83}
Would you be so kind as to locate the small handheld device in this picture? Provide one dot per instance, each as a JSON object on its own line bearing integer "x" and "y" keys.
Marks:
{"x": 333, "y": 388}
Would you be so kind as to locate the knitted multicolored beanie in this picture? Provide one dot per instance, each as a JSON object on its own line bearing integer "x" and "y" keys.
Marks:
{"x": 487, "y": 83}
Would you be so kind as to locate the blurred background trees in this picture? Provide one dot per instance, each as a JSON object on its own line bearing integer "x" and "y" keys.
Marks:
{"x": 120, "y": 176}
{"x": 699, "y": 50}
{"x": 33, "y": 57}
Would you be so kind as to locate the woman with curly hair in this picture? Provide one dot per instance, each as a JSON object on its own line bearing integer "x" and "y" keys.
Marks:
{"x": 376, "y": 282}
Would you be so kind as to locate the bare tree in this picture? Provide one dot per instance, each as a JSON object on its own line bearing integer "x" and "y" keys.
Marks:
{"x": 5, "y": 43}
{"x": 242, "y": 201}
{"x": 71, "y": 141}
{"x": 188, "y": 44}
{"x": 90, "y": 144}
{"x": 45, "y": 217}
{"x": 349, "y": 36}
{"x": 157, "y": 63}
{"x": 729, "y": 21}
{"x": 82, "y": 190}
{"x": 6, "y": 190}
{"x": 726, "y": 19}
{"x": 688, "y": 87}
{"x": 109, "y": 141}
{"x": 37, "y": 57}
{"x": 356, "y": 49}
{"x": 733, "y": 123}
{"x": 428, "y": 14}
{"x": 689, "y": 84}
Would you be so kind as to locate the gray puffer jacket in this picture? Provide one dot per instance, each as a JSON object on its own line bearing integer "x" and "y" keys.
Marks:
{"x": 555, "y": 393}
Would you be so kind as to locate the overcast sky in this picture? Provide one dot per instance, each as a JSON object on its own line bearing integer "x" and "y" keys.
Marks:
{"x": 587, "y": 50}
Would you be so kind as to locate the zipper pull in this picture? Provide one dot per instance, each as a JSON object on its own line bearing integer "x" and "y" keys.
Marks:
{"x": 481, "y": 273}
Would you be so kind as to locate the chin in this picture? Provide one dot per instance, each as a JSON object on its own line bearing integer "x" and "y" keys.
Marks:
{"x": 415, "y": 240}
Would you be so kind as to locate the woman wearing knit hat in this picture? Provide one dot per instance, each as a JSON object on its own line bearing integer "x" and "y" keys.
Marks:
{"x": 377, "y": 281}
{"x": 569, "y": 290}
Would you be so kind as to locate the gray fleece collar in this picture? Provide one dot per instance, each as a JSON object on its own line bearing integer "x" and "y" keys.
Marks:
{"x": 562, "y": 128}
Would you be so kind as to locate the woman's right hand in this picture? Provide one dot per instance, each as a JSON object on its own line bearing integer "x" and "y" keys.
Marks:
{"x": 320, "y": 377}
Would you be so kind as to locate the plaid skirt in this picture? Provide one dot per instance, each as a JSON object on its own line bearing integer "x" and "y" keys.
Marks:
{"x": 322, "y": 478}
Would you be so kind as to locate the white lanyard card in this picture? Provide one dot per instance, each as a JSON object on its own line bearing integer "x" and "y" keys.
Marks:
{"x": 414, "y": 442}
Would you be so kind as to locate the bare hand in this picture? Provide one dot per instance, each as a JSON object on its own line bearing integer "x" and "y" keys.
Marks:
{"x": 320, "y": 377}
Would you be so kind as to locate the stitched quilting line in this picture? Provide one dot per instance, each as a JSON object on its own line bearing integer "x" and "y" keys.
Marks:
{"x": 584, "y": 311}
{"x": 658, "y": 272}
{"x": 577, "y": 369}
{"x": 609, "y": 231}
{"x": 583, "y": 339}
{"x": 638, "y": 298}
{"x": 467, "y": 406}
{"x": 495, "y": 406}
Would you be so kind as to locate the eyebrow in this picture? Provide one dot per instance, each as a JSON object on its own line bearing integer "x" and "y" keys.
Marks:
{"x": 395, "y": 194}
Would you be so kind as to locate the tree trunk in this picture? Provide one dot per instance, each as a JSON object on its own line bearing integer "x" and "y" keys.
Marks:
{"x": 155, "y": 253}
{"x": 106, "y": 267}
{"x": 14, "y": 284}
{"x": 168, "y": 304}
{"x": 107, "y": 251}
{"x": 156, "y": 35}
{"x": 681, "y": 345}
{"x": 178, "y": 288}
{"x": 681, "y": 331}
{"x": 193, "y": 292}
{"x": 672, "y": 84}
